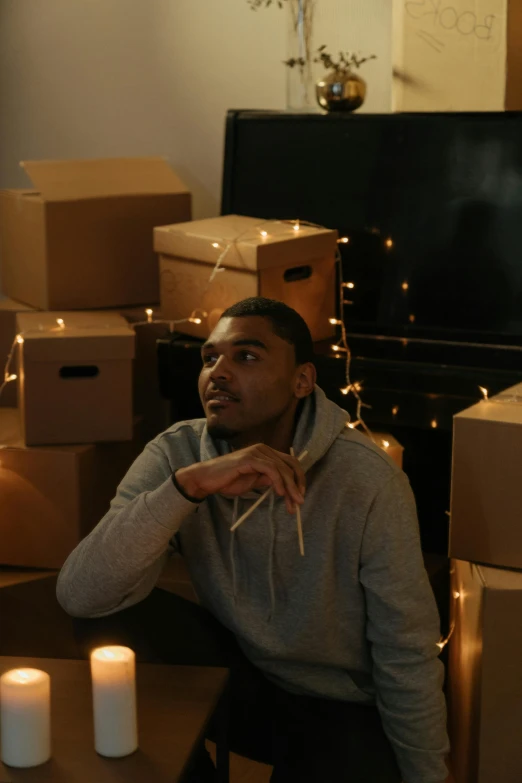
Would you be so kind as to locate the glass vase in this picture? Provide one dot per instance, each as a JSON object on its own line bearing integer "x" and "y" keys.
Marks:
{"x": 300, "y": 86}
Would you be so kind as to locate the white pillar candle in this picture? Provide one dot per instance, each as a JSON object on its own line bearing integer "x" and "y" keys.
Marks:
{"x": 25, "y": 717}
{"x": 113, "y": 671}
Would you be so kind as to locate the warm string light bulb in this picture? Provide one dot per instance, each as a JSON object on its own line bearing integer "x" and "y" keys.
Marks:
{"x": 395, "y": 410}
{"x": 60, "y": 323}
{"x": 215, "y": 244}
{"x": 19, "y": 339}
{"x": 389, "y": 243}
{"x": 149, "y": 313}
{"x": 338, "y": 348}
{"x": 10, "y": 378}
{"x": 296, "y": 226}
{"x": 385, "y": 444}
{"x": 335, "y": 322}
{"x": 348, "y": 285}
{"x": 264, "y": 234}
{"x": 485, "y": 393}
{"x": 343, "y": 241}
{"x": 405, "y": 285}
{"x": 434, "y": 424}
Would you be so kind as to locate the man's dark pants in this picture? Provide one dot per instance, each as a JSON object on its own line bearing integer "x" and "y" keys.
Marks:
{"x": 304, "y": 738}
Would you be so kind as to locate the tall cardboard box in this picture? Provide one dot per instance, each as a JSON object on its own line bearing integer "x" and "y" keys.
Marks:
{"x": 263, "y": 259}
{"x": 75, "y": 379}
{"x": 457, "y": 56}
{"x": 8, "y": 312}
{"x": 486, "y": 491}
{"x": 52, "y": 496}
{"x": 485, "y": 675}
{"x": 83, "y": 239}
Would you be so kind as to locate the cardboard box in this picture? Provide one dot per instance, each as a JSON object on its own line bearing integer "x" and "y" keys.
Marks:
{"x": 84, "y": 239}
{"x": 454, "y": 56}
{"x": 486, "y": 492}
{"x": 296, "y": 267}
{"x": 53, "y": 496}
{"x": 75, "y": 382}
{"x": 8, "y": 312}
{"x": 485, "y": 683}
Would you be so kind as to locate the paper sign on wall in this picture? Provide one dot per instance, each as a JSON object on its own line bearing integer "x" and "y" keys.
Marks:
{"x": 450, "y": 55}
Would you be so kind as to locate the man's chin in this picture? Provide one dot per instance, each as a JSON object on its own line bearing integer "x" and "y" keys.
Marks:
{"x": 220, "y": 431}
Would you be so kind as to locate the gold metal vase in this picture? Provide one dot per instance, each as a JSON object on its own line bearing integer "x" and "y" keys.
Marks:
{"x": 341, "y": 91}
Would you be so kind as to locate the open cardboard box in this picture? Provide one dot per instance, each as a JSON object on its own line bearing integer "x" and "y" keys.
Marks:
{"x": 83, "y": 239}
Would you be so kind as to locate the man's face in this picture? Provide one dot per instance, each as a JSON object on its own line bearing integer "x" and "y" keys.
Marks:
{"x": 248, "y": 377}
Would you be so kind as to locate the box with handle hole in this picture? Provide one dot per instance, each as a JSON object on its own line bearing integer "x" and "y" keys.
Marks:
{"x": 208, "y": 265}
{"x": 75, "y": 379}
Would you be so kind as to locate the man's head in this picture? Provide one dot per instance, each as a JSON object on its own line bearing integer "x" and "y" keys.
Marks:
{"x": 257, "y": 366}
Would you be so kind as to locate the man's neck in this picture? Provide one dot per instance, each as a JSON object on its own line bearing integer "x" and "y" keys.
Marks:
{"x": 278, "y": 434}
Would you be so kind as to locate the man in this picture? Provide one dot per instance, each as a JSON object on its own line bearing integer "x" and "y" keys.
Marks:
{"x": 335, "y": 675}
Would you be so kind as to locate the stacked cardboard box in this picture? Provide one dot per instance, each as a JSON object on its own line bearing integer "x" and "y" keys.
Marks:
{"x": 79, "y": 244}
{"x": 485, "y": 695}
{"x": 291, "y": 262}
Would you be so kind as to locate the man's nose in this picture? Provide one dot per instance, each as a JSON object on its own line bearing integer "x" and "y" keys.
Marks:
{"x": 221, "y": 370}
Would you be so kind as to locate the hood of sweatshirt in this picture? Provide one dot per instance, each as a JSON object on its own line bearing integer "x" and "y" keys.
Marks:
{"x": 320, "y": 422}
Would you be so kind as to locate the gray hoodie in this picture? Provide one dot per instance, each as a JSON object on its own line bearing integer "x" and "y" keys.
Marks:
{"x": 354, "y": 619}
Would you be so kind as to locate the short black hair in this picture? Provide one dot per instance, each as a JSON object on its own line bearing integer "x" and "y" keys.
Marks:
{"x": 285, "y": 321}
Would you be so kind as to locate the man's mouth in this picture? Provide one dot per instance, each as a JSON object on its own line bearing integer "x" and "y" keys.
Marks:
{"x": 220, "y": 399}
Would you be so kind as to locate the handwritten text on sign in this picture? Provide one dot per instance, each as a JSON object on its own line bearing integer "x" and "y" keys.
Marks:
{"x": 448, "y": 16}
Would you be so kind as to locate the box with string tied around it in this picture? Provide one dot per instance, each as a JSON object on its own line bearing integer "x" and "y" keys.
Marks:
{"x": 75, "y": 378}
{"x": 291, "y": 262}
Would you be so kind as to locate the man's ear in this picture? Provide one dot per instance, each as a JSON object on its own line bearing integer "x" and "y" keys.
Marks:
{"x": 305, "y": 379}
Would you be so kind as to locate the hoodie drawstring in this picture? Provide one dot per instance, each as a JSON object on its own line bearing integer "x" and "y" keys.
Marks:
{"x": 232, "y": 543}
{"x": 271, "y": 556}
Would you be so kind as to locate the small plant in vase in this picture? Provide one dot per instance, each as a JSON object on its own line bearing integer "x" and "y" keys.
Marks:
{"x": 341, "y": 89}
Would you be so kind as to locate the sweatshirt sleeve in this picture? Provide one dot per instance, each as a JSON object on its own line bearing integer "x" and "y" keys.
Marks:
{"x": 403, "y": 628}
{"x": 119, "y": 562}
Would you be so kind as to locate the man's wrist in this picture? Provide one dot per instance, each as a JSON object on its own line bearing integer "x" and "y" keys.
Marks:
{"x": 185, "y": 482}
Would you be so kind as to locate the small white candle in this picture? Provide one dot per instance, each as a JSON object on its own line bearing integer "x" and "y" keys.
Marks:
{"x": 25, "y": 717}
{"x": 113, "y": 671}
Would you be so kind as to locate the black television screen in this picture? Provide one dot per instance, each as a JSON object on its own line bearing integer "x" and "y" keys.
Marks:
{"x": 431, "y": 206}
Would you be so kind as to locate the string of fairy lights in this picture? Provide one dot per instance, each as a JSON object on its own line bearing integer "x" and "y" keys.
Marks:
{"x": 351, "y": 389}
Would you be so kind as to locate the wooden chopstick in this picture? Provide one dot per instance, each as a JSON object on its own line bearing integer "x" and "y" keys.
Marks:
{"x": 260, "y": 500}
{"x": 298, "y": 515}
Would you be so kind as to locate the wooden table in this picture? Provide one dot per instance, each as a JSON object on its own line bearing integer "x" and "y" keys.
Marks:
{"x": 175, "y": 704}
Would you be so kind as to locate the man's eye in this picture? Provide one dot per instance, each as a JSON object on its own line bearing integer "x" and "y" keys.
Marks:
{"x": 246, "y": 356}
{"x": 208, "y": 359}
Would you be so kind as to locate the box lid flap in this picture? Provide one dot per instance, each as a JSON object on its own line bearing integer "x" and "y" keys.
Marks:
{"x": 253, "y": 243}
{"x": 64, "y": 180}
{"x": 83, "y": 336}
{"x": 499, "y": 578}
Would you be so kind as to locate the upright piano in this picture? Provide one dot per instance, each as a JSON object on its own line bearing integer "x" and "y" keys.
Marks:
{"x": 431, "y": 206}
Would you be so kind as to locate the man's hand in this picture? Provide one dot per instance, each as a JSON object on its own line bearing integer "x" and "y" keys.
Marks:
{"x": 234, "y": 474}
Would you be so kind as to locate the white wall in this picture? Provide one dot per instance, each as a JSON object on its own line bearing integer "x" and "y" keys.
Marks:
{"x": 95, "y": 78}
